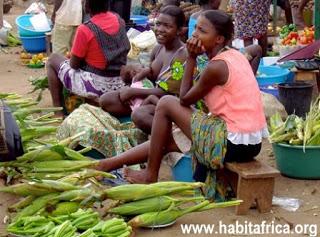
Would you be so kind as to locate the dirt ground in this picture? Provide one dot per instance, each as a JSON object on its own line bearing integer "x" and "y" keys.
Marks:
{"x": 14, "y": 78}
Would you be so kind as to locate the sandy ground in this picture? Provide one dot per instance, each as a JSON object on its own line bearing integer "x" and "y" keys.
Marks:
{"x": 14, "y": 78}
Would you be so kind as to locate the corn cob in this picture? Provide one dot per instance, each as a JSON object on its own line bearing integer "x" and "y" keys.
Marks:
{"x": 64, "y": 229}
{"x": 37, "y": 204}
{"x": 88, "y": 233}
{"x": 21, "y": 204}
{"x": 74, "y": 195}
{"x": 23, "y": 113}
{"x": 65, "y": 208}
{"x": 73, "y": 155}
{"x": 55, "y": 166}
{"x": 220, "y": 205}
{"x": 133, "y": 192}
{"x": 25, "y": 189}
{"x": 40, "y": 155}
{"x": 163, "y": 217}
{"x": 86, "y": 221}
{"x": 150, "y": 205}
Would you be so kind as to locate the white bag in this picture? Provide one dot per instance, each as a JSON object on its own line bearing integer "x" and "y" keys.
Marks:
{"x": 40, "y": 22}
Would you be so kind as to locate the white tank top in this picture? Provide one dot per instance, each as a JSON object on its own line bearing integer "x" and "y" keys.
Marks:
{"x": 69, "y": 13}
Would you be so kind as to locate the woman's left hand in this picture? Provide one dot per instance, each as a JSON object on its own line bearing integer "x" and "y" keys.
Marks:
{"x": 125, "y": 94}
{"x": 194, "y": 47}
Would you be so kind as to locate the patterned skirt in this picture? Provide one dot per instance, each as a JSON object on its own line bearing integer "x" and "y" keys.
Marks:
{"x": 103, "y": 132}
{"x": 209, "y": 146}
{"x": 251, "y": 18}
{"x": 87, "y": 84}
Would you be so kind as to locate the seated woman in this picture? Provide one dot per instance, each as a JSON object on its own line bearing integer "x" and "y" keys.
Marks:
{"x": 99, "y": 50}
{"x": 232, "y": 131}
{"x": 169, "y": 49}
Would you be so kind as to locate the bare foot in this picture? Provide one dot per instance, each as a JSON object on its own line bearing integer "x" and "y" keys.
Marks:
{"x": 138, "y": 176}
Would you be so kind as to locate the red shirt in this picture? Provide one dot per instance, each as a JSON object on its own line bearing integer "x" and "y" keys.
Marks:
{"x": 85, "y": 44}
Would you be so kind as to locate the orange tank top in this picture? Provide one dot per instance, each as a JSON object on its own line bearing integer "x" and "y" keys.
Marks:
{"x": 238, "y": 101}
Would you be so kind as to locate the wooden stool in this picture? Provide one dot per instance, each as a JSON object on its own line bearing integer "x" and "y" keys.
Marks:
{"x": 255, "y": 182}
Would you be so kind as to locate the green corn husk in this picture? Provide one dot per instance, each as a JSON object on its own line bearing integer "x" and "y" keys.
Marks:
{"x": 64, "y": 229}
{"x": 74, "y": 155}
{"x": 56, "y": 166}
{"x": 163, "y": 217}
{"x": 28, "y": 134}
{"x": 74, "y": 195}
{"x": 314, "y": 140}
{"x": 64, "y": 208}
{"x": 31, "y": 229}
{"x": 88, "y": 233}
{"x": 37, "y": 204}
{"x": 44, "y": 154}
{"x": 220, "y": 205}
{"x": 38, "y": 188}
{"x": 150, "y": 205}
{"x": 23, "y": 113}
{"x": 21, "y": 204}
{"x": 134, "y": 192}
{"x": 26, "y": 189}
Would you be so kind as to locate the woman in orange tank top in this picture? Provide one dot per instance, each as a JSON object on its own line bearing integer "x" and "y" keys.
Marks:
{"x": 217, "y": 136}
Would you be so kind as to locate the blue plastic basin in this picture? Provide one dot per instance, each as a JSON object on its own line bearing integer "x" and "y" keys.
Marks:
{"x": 139, "y": 19}
{"x": 269, "y": 75}
{"x": 182, "y": 171}
{"x": 25, "y": 27}
{"x": 35, "y": 44}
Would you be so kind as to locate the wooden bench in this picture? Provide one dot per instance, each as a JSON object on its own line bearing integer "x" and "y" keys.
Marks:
{"x": 253, "y": 182}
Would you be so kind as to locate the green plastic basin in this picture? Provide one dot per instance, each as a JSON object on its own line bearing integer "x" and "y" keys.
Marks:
{"x": 294, "y": 163}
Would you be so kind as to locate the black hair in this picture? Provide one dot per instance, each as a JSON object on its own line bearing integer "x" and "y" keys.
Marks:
{"x": 221, "y": 21}
{"x": 96, "y": 6}
{"x": 175, "y": 12}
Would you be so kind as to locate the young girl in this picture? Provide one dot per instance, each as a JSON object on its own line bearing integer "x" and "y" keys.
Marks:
{"x": 235, "y": 126}
{"x": 169, "y": 49}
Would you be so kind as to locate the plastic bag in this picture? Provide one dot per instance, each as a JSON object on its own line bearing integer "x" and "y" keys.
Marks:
{"x": 36, "y": 8}
{"x": 271, "y": 106}
{"x": 4, "y": 36}
{"x": 289, "y": 204}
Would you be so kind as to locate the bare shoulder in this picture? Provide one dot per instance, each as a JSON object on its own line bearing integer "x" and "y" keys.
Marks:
{"x": 216, "y": 72}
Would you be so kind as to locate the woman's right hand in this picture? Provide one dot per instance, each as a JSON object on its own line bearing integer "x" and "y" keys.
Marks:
{"x": 194, "y": 47}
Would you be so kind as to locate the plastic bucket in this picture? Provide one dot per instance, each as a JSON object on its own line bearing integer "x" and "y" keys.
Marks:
{"x": 25, "y": 27}
{"x": 35, "y": 44}
{"x": 269, "y": 75}
{"x": 293, "y": 162}
{"x": 296, "y": 97}
{"x": 182, "y": 171}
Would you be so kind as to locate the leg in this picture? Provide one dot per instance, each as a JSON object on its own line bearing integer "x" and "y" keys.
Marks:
{"x": 55, "y": 85}
{"x": 255, "y": 52}
{"x": 110, "y": 102}
{"x": 136, "y": 155}
{"x": 287, "y": 11}
{"x": 168, "y": 110}
{"x": 263, "y": 42}
{"x": 142, "y": 117}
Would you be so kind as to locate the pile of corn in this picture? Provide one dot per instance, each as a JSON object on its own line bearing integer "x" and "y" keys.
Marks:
{"x": 159, "y": 203}
{"x": 35, "y": 123}
{"x": 86, "y": 221}
{"x": 296, "y": 130}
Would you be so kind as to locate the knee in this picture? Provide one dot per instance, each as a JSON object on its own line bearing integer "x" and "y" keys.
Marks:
{"x": 52, "y": 60}
{"x": 137, "y": 117}
{"x": 106, "y": 100}
{"x": 166, "y": 102}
